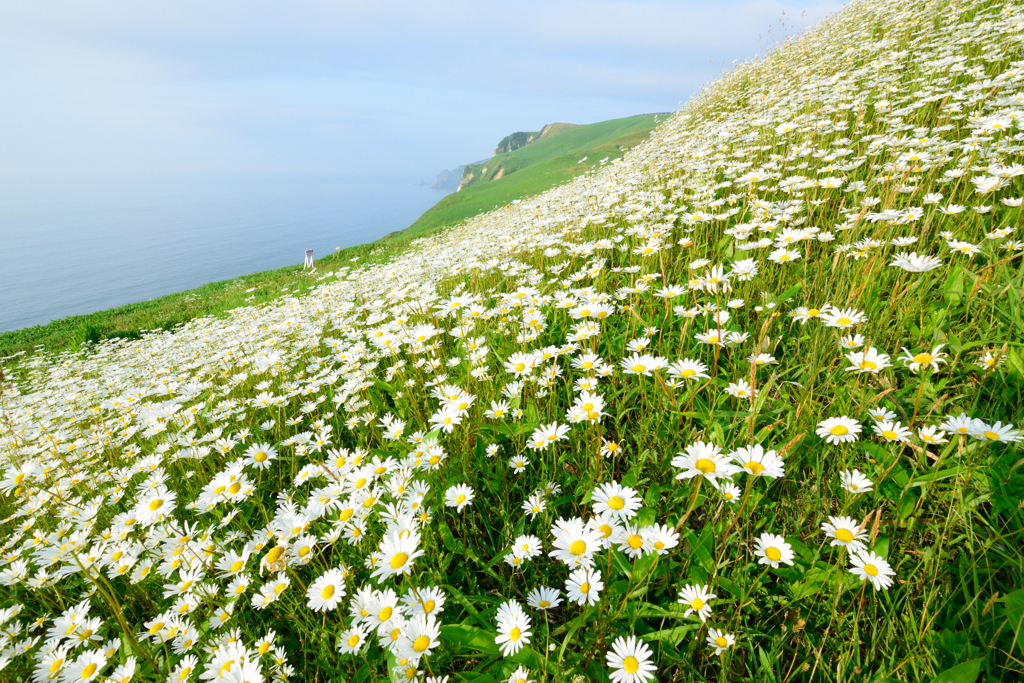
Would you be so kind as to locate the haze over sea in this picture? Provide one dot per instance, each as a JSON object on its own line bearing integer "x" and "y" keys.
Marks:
{"x": 71, "y": 252}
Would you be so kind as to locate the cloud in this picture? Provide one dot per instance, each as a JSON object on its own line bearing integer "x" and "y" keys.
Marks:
{"x": 318, "y": 84}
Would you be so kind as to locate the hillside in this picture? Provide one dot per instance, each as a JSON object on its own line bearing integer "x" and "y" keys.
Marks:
{"x": 553, "y": 156}
{"x": 745, "y": 406}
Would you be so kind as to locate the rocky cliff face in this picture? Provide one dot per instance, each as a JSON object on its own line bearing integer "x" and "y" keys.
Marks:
{"x": 515, "y": 141}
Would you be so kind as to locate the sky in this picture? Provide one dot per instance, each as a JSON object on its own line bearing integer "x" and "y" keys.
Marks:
{"x": 105, "y": 92}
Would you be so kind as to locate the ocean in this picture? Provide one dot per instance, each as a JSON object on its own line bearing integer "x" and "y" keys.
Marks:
{"x": 69, "y": 252}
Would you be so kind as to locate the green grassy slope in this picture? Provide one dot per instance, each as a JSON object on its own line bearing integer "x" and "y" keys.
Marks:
{"x": 537, "y": 167}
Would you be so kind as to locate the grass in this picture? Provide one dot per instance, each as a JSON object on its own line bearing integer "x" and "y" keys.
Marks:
{"x": 532, "y": 169}
{"x": 334, "y": 433}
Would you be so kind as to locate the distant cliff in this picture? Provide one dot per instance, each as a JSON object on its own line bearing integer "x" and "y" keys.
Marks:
{"x": 448, "y": 180}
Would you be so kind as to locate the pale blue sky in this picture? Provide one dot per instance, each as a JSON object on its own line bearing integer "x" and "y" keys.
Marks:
{"x": 98, "y": 91}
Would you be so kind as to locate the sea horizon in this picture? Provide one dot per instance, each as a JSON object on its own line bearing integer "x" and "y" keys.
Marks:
{"x": 73, "y": 252}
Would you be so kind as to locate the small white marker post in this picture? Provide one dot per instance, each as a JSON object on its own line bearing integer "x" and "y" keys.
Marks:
{"x": 308, "y": 263}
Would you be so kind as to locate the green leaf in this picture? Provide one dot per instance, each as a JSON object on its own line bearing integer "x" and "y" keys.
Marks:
{"x": 703, "y": 548}
{"x": 961, "y": 673}
{"x": 673, "y": 635}
{"x": 465, "y": 637}
{"x": 767, "y": 670}
{"x": 446, "y": 536}
{"x": 1014, "y": 603}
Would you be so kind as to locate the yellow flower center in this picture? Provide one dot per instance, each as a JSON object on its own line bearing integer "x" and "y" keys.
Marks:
{"x": 89, "y": 670}
{"x": 754, "y": 467}
{"x": 353, "y": 640}
{"x": 616, "y": 503}
{"x": 844, "y": 535}
{"x": 638, "y": 367}
{"x": 839, "y": 430}
{"x": 705, "y": 466}
{"x": 520, "y": 367}
{"x": 55, "y": 667}
{"x": 720, "y": 641}
{"x": 773, "y": 554}
{"x": 421, "y": 644}
{"x": 696, "y": 604}
{"x": 429, "y": 606}
{"x": 991, "y": 435}
{"x": 713, "y": 339}
{"x": 687, "y": 373}
{"x": 868, "y": 365}
{"x": 844, "y": 321}
{"x": 460, "y": 499}
{"x": 385, "y": 614}
{"x": 236, "y": 566}
{"x": 630, "y": 664}
{"x": 327, "y": 593}
{"x": 871, "y": 570}
{"x": 584, "y": 587}
{"x": 260, "y": 457}
{"x": 923, "y": 358}
{"x": 398, "y": 560}
{"x": 155, "y": 505}
{"x": 578, "y": 547}
{"x": 889, "y": 434}
{"x": 635, "y": 541}
{"x": 515, "y": 634}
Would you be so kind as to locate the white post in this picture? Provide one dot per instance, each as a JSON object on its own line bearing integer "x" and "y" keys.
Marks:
{"x": 308, "y": 263}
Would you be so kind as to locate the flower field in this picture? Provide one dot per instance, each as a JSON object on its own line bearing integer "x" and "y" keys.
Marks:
{"x": 743, "y": 406}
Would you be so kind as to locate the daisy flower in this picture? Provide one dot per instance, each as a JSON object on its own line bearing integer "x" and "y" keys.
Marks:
{"x": 731, "y": 493}
{"x": 720, "y": 640}
{"x": 419, "y": 637}
{"x": 918, "y": 362}
{"x": 513, "y": 628}
{"x": 930, "y": 435}
{"x": 704, "y": 460}
{"x": 697, "y": 599}
{"x": 620, "y": 501}
{"x": 773, "y": 550}
{"x": 855, "y": 482}
{"x": 874, "y": 568}
{"x": 645, "y": 364}
{"x": 838, "y": 430}
{"x": 759, "y": 463}
{"x": 661, "y": 537}
{"x": 842, "y": 317}
{"x": 544, "y": 598}
{"x": 458, "y": 497}
{"x": 997, "y": 432}
{"x": 630, "y": 661}
{"x": 869, "y": 360}
{"x": 86, "y": 668}
{"x": 845, "y": 532}
{"x": 260, "y": 456}
{"x": 575, "y": 543}
{"x": 893, "y": 431}
{"x": 326, "y": 592}
{"x": 350, "y": 642}
{"x": 584, "y": 585}
{"x": 398, "y": 554}
{"x": 688, "y": 369}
